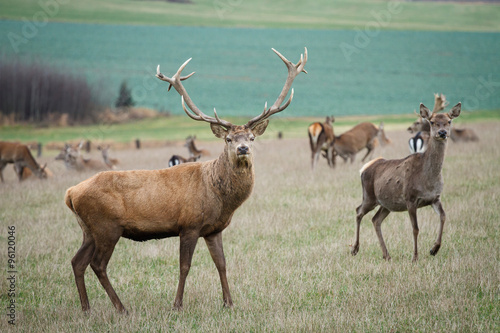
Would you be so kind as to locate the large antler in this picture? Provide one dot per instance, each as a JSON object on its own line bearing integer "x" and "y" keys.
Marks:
{"x": 196, "y": 114}
{"x": 293, "y": 71}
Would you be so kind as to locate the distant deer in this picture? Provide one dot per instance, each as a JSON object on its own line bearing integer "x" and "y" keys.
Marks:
{"x": 191, "y": 200}
{"x": 193, "y": 151}
{"x": 409, "y": 183}
{"x": 361, "y": 136}
{"x": 177, "y": 159}
{"x": 26, "y": 173}
{"x": 20, "y": 155}
{"x": 422, "y": 128}
{"x": 321, "y": 137}
{"x": 463, "y": 135}
{"x": 73, "y": 160}
{"x": 110, "y": 162}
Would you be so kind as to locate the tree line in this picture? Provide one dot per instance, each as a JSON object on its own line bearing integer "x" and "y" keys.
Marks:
{"x": 37, "y": 92}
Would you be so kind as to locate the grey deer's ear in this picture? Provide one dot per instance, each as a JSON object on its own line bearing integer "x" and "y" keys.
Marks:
{"x": 219, "y": 131}
{"x": 455, "y": 111}
{"x": 425, "y": 112}
{"x": 259, "y": 128}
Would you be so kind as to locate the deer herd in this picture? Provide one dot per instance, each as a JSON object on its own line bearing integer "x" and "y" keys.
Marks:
{"x": 192, "y": 199}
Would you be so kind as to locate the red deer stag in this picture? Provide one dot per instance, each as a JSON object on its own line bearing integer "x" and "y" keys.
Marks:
{"x": 20, "y": 155}
{"x": 190, "y": 200}
{"x": 361, "y": 136}
{"x": 193, "y": 151}
{"x": 321, "y": 137}
{"x": 407, "y": 184}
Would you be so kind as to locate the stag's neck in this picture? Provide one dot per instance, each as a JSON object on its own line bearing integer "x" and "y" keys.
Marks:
{"x": 434, "y": 158}
{"x": 233, "y": 181}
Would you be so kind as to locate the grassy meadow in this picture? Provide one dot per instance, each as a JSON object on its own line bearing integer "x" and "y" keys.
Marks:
{"x": 287, "y": 252}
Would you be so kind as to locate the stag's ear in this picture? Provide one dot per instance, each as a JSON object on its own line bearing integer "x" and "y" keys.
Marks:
{"x": 218, "y": 131}
{"x": 455, "y": 111}
{"x": 260, "y": 128}
{"x": 425, "y": 112}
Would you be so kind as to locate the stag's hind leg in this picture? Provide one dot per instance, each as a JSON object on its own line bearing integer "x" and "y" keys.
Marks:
{"x": 214, "y": 244}
{"x": 377, "y": 220}
{"x": 438, "y": 207}
{"x": 99, "y": 263}
{"x": 80, "y": 262}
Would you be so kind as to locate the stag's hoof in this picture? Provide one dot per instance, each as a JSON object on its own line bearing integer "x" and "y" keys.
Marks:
{"x": 355, "y": 249}
{"x": 435, "y": 249}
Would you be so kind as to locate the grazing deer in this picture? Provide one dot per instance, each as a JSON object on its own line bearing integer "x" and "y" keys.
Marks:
{"x": 321, "y": 137}
{"x": 20, "y": 155}
{"x": 110, "y": 162}
{"x": 26, "y": 173}
{"x": 409, "y": 183}
{"x": 361, "y": 136}
{"x": 177, "y": 159}
{"x": 190, "y": 200}
{"x": 193, "y": 151}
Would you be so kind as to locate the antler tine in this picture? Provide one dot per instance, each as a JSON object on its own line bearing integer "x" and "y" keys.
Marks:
{"x": 196, "y": 114}
{"x": 293, "y": 71}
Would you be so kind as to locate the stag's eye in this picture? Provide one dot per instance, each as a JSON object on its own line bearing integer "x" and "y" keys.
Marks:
{"x": 432, "y": 123}
{"x": 449, "y": 122}
{"x": 252, "y": 138}
{"x": 228, "y": 139}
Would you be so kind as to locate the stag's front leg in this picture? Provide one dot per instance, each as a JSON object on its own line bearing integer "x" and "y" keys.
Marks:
{"x": 412, "y": 211}
{"x": 186, "y": 249}
{"x": 214, "y": 244}
{"x": 438, "y": 207}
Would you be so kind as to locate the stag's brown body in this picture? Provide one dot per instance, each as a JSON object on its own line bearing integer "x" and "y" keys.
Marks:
{"x": 321, "y": 138}
{"x": 407, "y": 184}
{"x": 190, "y": 200}
{"x": 20, "y": 155}
{"x": 361, "y": 136}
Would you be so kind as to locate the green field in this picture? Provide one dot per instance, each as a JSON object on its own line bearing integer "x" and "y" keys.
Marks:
{"x": 322, "y": 14}
{"x": 236, "y": 71}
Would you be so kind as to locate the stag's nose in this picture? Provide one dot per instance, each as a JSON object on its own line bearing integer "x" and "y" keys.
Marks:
{"x": 443, "y": 133}
{"x": 243, "y": 150}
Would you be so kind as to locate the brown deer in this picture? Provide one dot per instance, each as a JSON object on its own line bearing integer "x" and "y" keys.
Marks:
{"x": 73, "y": 160}
{"x": 321, "y": 137}
{"x": 110, "y": 162}
{"x": 190, "y": 200}
{"x": 193, "y": 151}
{"x": 20, "y": 155}
{"x": 422, "y": 128}
{"x": 409, "y": 183}
{"x": 26, "y": 173}
{"x": 361, "y": 136}
{"x": 177, "y": 159}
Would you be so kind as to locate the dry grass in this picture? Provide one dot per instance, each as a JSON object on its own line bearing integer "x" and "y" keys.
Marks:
{"x": 287, "y": 252}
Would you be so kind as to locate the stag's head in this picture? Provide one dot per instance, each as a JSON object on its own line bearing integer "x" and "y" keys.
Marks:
{"x": 239, "y": 139}
{"x": 440, "y": 123}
